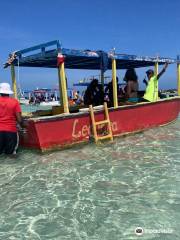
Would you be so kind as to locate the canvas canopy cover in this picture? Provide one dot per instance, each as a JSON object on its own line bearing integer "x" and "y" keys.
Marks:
{"x": 45, "y": 55}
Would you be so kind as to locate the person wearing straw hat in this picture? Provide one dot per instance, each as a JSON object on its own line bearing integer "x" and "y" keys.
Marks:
{"x": 10, "y": 114}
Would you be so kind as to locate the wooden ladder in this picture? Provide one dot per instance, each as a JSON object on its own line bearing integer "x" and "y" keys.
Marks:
{"x": 105, "y": 121}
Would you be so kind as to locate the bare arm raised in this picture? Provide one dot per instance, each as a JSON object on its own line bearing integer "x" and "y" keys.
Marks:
{"x": 162, "y": 71}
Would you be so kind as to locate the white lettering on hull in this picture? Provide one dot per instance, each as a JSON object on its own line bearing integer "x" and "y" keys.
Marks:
{"x": 84, "y": 131}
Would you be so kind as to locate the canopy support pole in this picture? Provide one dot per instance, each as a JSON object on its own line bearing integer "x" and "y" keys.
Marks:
{"x": 102, "y": 79}
{"x": 14, "y": 84}
{"x": 63, "y": 87}
{"x": 60, "y": 88}
{"x": 178, "y": 75}
{"x": 114, "y": 82}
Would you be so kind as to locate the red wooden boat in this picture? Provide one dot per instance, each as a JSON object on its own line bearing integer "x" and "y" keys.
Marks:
{"x": 60, "y": 130}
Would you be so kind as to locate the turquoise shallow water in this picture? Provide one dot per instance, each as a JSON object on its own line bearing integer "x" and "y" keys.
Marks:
{"x": 95, "y": 192}
{"x": 33, "y": 108}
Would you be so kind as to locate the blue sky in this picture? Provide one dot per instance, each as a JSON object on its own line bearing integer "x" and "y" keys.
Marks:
{"x": 139, "y": 27}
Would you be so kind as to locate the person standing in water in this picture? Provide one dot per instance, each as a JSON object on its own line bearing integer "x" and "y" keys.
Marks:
{"x": 10, "y": 115}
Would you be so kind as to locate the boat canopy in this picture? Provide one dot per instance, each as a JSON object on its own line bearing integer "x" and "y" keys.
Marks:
{"x": 45, "y": 55}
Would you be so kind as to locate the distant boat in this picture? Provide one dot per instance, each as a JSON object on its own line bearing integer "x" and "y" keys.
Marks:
{"x": 23, "y": 101}
{"x": 49, "y": 103}
{"x": 40, "y": 97}
{"x": 44, "y": 97}
{"x": 169, "y": 93}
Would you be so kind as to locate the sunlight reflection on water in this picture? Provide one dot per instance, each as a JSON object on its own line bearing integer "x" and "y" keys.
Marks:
{"x": 94, "y": 192}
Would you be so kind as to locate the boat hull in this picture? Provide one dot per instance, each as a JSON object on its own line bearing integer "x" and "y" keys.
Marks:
{"x": 60, "y": 131}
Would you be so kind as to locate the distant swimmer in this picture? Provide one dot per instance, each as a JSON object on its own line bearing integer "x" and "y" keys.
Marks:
{"x": 10, "y": 114}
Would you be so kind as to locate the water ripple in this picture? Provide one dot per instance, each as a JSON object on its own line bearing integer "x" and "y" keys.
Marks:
{"x": 94, "y": 192}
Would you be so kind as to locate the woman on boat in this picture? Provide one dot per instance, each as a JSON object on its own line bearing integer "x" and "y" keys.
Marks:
{"x": 151, "y": 93}
{"x": 132, "y": 87}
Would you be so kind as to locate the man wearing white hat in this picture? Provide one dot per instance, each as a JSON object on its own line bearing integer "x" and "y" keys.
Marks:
{"x": 10, "y": 114}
